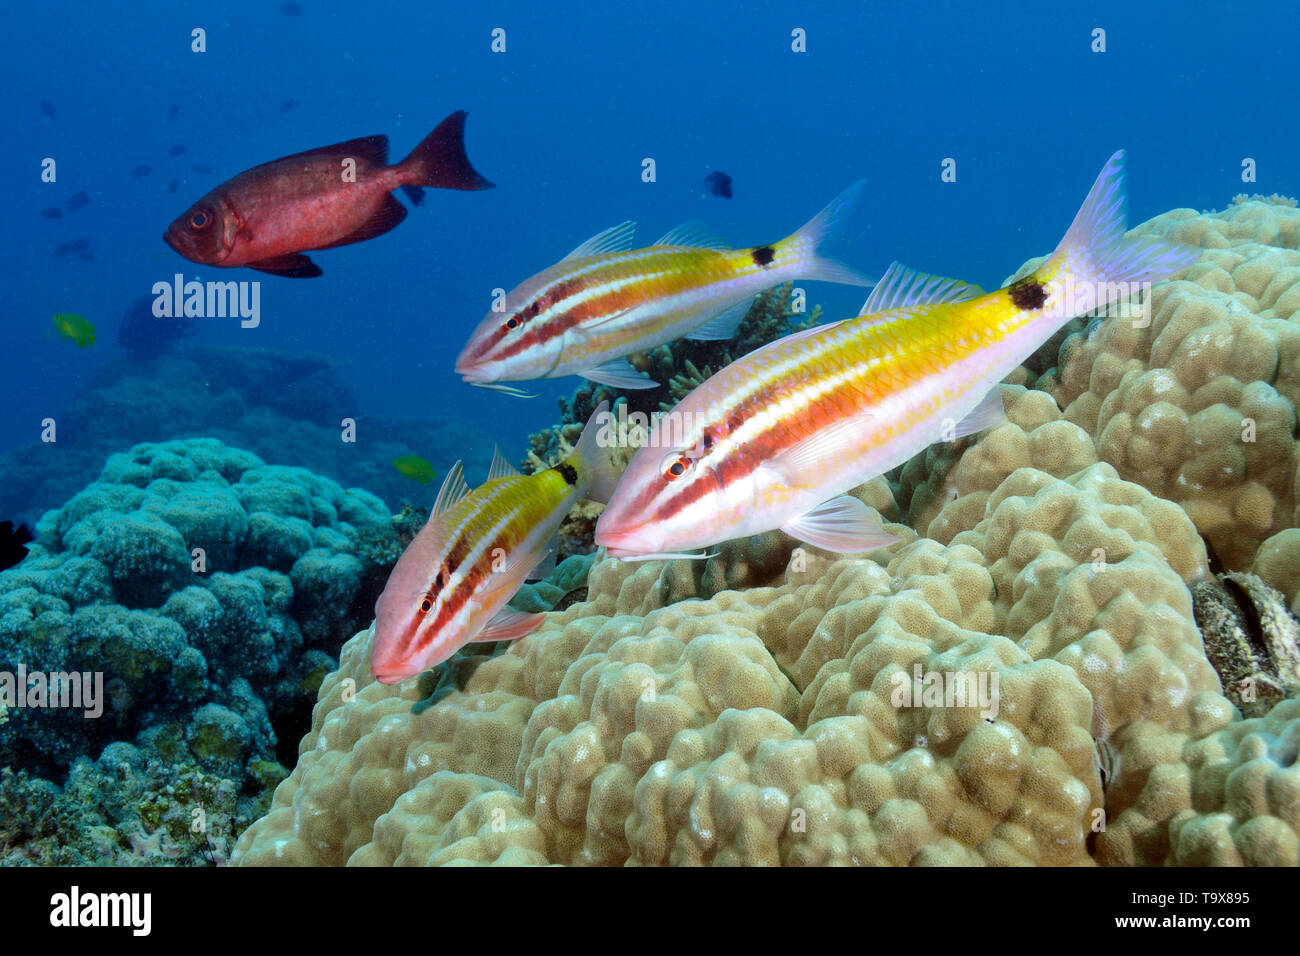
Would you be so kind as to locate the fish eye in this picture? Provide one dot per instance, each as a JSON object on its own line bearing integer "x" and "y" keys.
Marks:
{"x": 200, "y": 220}
{"x": 676, "y": 466}
{"x": 513, "y": 322}
{"x": 425, "y": 606}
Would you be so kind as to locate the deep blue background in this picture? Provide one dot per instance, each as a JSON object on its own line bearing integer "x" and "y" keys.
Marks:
{"x": 561, "y": 122}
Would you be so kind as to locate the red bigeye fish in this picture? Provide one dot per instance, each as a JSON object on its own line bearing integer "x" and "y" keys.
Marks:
{"x": 264, "y": 218}
{"x": 606, "y": 300}
{"x": 777, "y": 437}
{"x": 451, "y": 585}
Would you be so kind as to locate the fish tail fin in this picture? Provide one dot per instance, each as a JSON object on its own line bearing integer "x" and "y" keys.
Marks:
{"x": 440, "y": 159}
{"x": 591, "y": 457}
{"x": 1096, "y": 261}
{"x": 807, "y": 243}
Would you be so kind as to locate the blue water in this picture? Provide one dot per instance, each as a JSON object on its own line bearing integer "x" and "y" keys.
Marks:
{"x": 562, "y": 121}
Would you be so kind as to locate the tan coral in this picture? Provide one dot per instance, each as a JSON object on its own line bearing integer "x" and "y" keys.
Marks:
{"x": 1199, "y": 406}
{"x": 751, "y": 710}
{"x": 763, "y": 725}
{"x": 1230, "y": 798}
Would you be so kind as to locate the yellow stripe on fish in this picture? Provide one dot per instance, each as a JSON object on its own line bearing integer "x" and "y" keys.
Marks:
{"x": 606, "y": 300}
{"x": 451, "y": 585}
{"x": 776, "y": 438}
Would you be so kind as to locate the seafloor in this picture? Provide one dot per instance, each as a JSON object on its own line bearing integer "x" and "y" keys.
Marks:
{"x": 1123, "y": 554}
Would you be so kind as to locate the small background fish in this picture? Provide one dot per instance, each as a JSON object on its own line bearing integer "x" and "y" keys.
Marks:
{"x": 13, "y": 543}
{"x": 414, "y": 467}
{"x": 76, "y": 328}
{"x": 719, "y": 184}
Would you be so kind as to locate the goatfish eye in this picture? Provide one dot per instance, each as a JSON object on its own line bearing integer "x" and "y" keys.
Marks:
{"x": 676, "y": 466}
{"x": 513, "y": 322}
{"x": 200, "y": 220}
{"x": 425, "y": 606}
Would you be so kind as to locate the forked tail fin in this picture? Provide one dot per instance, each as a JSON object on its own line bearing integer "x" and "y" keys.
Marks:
{"x": 1096, "y": 253}
{"x": 817, "y": 266}
{"x": 597, "y": 473}
{"x": 440, "y": 159}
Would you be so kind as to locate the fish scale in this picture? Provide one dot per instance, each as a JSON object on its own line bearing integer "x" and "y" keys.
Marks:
{"x": 776, "y": 438}
{"x": 451, "y": 585}
{"x": 605, "y": 301}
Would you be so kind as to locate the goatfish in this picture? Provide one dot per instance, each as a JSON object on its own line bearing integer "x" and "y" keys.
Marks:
{"x": 776, "y": 438}
{"x": 265, "y": 217}
{"x": 451, "y": 585}
{"x": 605, "y": 300}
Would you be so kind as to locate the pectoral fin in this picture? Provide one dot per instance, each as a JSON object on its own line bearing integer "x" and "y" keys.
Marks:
{"x": 843, "y": 525}
{"x": 723, "y": 325}
{"x": 617, "y": 373}
{"x": 986, "y": 414}
{"x": 509, "y": 624}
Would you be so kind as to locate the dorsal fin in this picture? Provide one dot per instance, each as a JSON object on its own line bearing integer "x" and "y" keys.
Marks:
{"x": 614, "y": 239}
{"x": 500, "y": 467}
{"x": 693, "y": 233}
{"x": 371, "y": 148}
{"x": 901, "y": 287}
{"x": 453, "y": 489}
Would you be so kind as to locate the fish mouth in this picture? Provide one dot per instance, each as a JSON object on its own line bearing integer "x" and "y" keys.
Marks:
{"x": 632, "y": 543}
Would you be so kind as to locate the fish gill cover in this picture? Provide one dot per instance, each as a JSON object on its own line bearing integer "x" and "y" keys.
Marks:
{"x": 1075, "y": 644}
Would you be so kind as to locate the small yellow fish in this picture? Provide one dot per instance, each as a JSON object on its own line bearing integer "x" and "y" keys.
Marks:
{"x": 75, "y": 327}
{"x": 414, "y": 467}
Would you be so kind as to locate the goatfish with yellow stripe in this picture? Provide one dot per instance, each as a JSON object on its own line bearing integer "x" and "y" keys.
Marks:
{"x": 776, "y": 438}
{"x": 451, "y": 585}
{"x": 606, "y": 300}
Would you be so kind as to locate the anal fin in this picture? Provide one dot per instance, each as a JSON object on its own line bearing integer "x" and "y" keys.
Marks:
{"x": 293, "y": 265}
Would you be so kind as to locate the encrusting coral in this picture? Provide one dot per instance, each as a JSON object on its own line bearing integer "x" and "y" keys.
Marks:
{"x": 1199, "y": 405}
{"x": 951, "y": 699}
{"x": 210, "y": 590}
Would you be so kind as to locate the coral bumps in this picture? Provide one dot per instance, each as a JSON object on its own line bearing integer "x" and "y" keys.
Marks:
{"x": 209, "y": 589}
{"x": 775, "y": 707}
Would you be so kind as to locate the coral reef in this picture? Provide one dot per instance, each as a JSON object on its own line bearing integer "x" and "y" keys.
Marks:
{"x": 1199, "y": 405}
{"x": 759, "y": 723}
{"x": 1035, "y": 673}
{"x": 208, "y": 590}
{"x": 127, "y": 809}
{"x": 284, "y": 408}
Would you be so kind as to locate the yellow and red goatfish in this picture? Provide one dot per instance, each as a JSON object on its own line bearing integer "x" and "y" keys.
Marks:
{"x": 776, "y": 438}
{"x": 452, "y": 583}
{"x": 606, "y": 300}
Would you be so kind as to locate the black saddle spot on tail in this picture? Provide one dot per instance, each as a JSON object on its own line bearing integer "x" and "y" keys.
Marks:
{"x": 1028, "y": 293}
{"x": 764, "y": 255}
{"x": 567, "y": 472}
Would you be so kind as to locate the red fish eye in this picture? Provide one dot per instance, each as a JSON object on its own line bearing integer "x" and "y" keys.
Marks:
{"x": 512, "y": 322}
{"x": 425, "y": 606}
{"x": 677, "y": 466}
{"x": 200, "y": 220}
